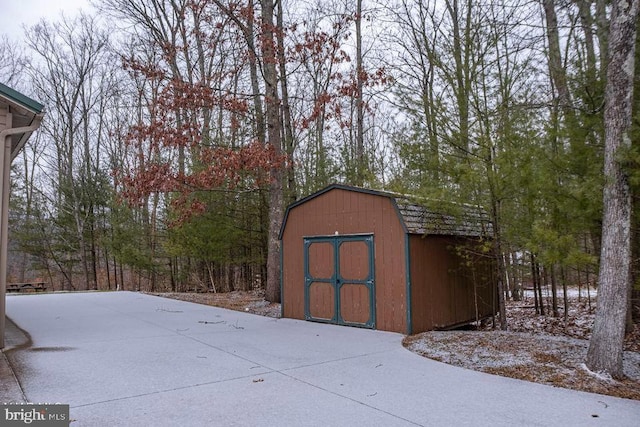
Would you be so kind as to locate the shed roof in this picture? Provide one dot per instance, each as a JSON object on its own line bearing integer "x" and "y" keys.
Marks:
{"x": 468, "y": 220}
{"x": 416, "y": 218}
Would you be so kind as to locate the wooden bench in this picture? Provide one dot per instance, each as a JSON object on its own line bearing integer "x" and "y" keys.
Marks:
{"x": 27, "y": 287}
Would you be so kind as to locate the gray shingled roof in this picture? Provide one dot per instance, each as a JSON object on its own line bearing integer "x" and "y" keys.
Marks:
{"x": 431, "y": 217}
{"x": 469, "y": 221}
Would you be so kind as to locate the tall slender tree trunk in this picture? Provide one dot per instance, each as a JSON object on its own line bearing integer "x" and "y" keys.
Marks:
{"x": 287, "y": 122}
{"x": 602, "y": 32}
{"x": 359, "y": 163}
{"x": 462, "y": 46}
{"x": 556, "y": 69}
{"x": 541, "y": 281}
{"x": 554, "y": 291}
{"x": 564, "y": 293}
{"x": 536, "y": 285}
{"x": 606, "y": 344}
{"x": 249, "y": 32}
{"x": 501, "y": 271}
{"x": 94, "y": 254}
{"x": 274, "y": 139}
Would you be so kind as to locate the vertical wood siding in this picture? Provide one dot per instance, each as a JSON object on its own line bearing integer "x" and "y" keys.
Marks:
{"x": 349, "y": 212}
{"x": 446, "y": 289}
{"x": 355, "y": 303}
{"x": 448, "y": 286}
{"x": 321, "y": 300}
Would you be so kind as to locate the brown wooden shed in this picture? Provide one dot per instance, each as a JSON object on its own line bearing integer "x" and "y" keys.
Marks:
{"x": 358, "y": 257}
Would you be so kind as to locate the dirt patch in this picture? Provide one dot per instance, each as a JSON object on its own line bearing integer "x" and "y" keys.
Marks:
{"x": 249, "y": 302}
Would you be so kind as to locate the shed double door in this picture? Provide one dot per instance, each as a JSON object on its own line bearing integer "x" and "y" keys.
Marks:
{"x": 339, "y": 280}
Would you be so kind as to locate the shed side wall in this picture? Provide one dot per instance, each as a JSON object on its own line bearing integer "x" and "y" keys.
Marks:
{"x": 445, "y": 291}
{"x": 349, "y": 212}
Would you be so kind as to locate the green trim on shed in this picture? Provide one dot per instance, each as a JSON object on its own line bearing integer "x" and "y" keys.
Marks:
{"x": 337, "y": 281}
{"x": 281, "y": 280}
{"x": 407, "y": 263}
{"x": 416, "y": 218}
{"x": 346, "y": 188}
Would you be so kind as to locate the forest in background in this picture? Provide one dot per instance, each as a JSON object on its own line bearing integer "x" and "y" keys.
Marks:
{"x": 176, "y": 132}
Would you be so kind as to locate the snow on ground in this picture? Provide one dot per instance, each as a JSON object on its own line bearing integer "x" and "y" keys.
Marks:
{"x": 573, "y": 293}
{"x": 544, "y": 349}
{"x": 541, "y": 358}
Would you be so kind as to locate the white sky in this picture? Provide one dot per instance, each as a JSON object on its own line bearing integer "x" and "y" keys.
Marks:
{"x": 15, "y": 13}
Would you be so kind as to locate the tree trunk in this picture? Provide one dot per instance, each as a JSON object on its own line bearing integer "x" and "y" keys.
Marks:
{"x": 554, "y": 292}
{"x": 586, "y": 19}
{"x": 462, "y": 45}
{"x": 359, "y": 163}
{"x": 556, "y": 69}
{"x": 602, "y": 32}
{"x": 274, "y": 139}
{"x": 606, "y": 344}
{"x": 255, "y": 85}
{"x": 541, "y": 278}
{"x": 497, "y": 247}
{"x": 287, "y": 122}
{"x": 564, "y": 293}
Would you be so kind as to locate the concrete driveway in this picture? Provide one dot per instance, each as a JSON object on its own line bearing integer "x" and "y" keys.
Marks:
{"x": 130, "y": 359}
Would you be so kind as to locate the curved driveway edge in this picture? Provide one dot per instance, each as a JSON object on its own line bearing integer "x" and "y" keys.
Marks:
{"x": 123, "y": 358}
{"x": 10, "y": 391}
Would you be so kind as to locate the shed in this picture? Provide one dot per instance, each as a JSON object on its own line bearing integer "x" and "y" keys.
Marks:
{"x": 373, "y": 259}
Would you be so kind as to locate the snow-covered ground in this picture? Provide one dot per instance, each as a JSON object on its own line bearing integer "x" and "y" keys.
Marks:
{"x": 545, "y": 349}
{"x": 574, "y": 293}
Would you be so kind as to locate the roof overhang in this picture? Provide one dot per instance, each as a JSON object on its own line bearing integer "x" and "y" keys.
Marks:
{"x": 26, "y": 114}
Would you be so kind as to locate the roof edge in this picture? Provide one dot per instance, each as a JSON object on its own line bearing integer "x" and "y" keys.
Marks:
{"x": 403, "y": 216}
{"x": 17, "y": 97}
{"x": 326, "y": 190}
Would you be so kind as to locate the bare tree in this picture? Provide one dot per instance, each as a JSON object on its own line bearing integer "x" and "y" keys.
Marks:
{"x": 73, "y": 76}
{"x": 12, "y": 62}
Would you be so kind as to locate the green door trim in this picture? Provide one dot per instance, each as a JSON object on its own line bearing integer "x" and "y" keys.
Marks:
{"x": 336, "y": 281}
